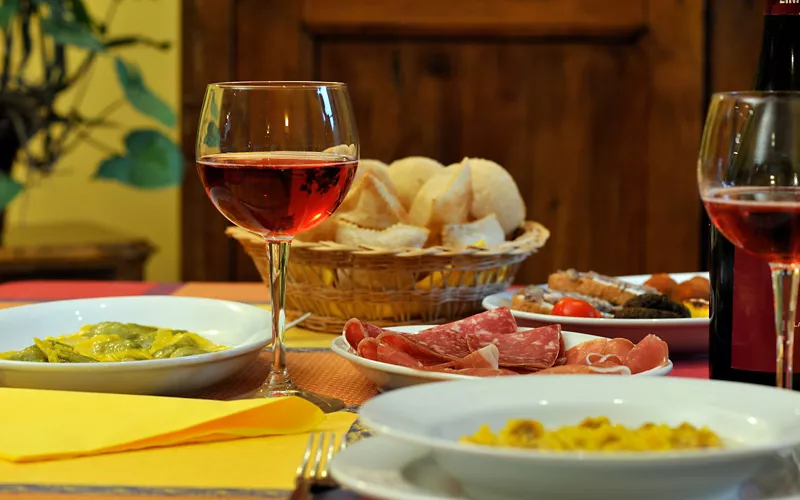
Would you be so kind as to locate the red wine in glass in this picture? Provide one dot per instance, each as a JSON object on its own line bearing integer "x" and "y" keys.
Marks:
{"x": 764, "y": 221}
{"x": 276, "y": 194}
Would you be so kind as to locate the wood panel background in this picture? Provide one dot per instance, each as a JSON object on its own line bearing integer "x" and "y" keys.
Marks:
{"x": 594, "y": 106}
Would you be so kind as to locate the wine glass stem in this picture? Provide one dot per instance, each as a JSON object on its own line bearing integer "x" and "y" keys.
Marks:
{"x": 785, "y": 279}
{"x": 278, "y": 253}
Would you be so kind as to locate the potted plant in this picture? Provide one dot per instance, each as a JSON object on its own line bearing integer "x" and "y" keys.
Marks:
{"x": 65, "y": 39}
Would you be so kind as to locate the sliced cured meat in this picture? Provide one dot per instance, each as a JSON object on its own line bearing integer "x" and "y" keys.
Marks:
{"x": 576, "y": 355}
{"x": 618, "y": 347}
{"x": 472, "y": 372}
{"x": 407, "y": 344}
{"x": 603, "y": 360}
{"x": 356, "y": 330}
{"x": 484, "y": 358}
{"x": 534, "y": 349}
{"x": 496, "y": 321}
{"x": 447, "y": 344}
{"x": 368, "y": 349}
{"x": 578, "y": 370}
{"x": 389, "y": 354}
{"x": 562, "y": 352}
{"x": 651, "y": 352}
{"x": 484, "y": 372}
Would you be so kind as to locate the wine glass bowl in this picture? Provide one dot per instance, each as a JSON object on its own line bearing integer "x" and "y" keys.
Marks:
{"x": 749, "y": 181}
{"x": 277, "y": 159}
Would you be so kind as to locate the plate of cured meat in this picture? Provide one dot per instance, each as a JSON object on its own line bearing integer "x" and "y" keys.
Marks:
{"x": 490, "y": 344}
{"x": 673, "y": 306}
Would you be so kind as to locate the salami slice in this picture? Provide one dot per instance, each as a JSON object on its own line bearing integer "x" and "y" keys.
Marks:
{"x": 356, "y": 330}
{"x": 406, "y": 344}
{"x": 368, "y": 349}
{"x": 389, "y": 354}
{"x": 495, "y": 321}
{"x": 447, "y": 344}
{"x": 533, "y": 349}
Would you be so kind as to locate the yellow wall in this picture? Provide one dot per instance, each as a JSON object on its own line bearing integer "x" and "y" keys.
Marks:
{"x": 70, "y": 195}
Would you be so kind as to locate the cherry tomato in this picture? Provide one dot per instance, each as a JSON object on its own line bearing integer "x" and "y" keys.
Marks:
{"x": 575, "y": 308}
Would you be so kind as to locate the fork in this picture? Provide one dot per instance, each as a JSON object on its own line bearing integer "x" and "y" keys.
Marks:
{"x": 313, "y": 473}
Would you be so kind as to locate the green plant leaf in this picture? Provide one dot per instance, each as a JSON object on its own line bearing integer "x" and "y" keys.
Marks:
{"x": 214, "y": 108}
{"x": 81, "y": 14}
{"x": 141, "y": 97}
{"x": 71, "y": 33}
{"x": 128, "y": 41}
{"x": 211, "y": 139}
{"x": 152, "y": 160}
{"x": 8, "y": 10}
{"x": 9, "y": 189}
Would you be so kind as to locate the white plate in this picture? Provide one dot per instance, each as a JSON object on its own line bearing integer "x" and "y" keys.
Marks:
{"x": 243, "y": 328}
{"x": 387, "y": 376}
{"x": 389, "y": 469}
{"x": 687, "y": 335}
{"x": 756, "y": 421}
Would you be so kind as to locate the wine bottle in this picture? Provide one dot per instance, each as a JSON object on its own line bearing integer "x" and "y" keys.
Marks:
{"x": 742, "y": 333}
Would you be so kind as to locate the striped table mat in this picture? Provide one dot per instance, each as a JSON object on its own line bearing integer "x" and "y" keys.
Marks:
{"x": 312, "y": 365}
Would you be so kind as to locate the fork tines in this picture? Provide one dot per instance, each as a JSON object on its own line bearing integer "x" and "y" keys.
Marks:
{"x": 313, "y": 470}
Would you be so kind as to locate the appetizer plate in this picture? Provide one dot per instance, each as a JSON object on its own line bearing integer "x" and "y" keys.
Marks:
{"x": 245, "y": 329}
{"x": 389, "y": 469}
{"x": 755, "y": 423}
{"x": 683, "y": 335}
{"x": 387, "y": 376}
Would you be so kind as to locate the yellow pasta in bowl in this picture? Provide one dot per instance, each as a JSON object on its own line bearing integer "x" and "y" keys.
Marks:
{"x": 596, "y": 434}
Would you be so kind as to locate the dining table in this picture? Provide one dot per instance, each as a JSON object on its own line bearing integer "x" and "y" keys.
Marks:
{"x": 234, "y": 470}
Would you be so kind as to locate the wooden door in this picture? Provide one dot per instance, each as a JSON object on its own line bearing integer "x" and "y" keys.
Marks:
{"x": 594, "y": 106}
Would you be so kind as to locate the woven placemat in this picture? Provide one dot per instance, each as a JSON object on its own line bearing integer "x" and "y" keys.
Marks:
{"x": 318, "y": 371}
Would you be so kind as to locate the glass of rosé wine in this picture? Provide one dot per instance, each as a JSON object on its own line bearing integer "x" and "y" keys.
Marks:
{"x": 277, "y": 159}
{"x": 749, "y": 179}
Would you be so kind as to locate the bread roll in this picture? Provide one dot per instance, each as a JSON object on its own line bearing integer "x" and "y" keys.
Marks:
{"x": 377, "y": 207}
{"x": 365, "y": 166}
{"x": 494, "y": 191}
{"x": 486, "y": 230}
{"x": 396, "y": 236}
{"x": 443, "y": 199}
{"x": 408, "y": 175}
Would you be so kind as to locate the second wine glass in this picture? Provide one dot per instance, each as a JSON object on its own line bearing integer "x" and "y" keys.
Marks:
{"x": 749, "y": 179}
{"x": 277, "y": 159}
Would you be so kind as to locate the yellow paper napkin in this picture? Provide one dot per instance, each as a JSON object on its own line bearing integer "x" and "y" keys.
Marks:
{"x": 262, "y": 463}
{"x": 44, "y": 425}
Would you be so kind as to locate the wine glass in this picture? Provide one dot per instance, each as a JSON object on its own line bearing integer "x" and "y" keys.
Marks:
{"x": 749, "y": 179}
{"x": 277, "y": 159}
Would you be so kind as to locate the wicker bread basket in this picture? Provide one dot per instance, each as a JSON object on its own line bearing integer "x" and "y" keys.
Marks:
{"x": 388, "y": 287}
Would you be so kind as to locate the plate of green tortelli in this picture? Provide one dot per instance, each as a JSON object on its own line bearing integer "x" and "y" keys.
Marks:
{"x": 133, "y": 345}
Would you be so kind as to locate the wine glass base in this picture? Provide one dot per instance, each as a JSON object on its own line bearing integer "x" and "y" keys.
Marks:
{"x": 324, "y": 403}
{"x": 280, "y": 385}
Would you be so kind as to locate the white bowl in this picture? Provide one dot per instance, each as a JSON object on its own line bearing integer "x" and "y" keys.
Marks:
{"x": 244, "y": 328}
{"x": 387, "y": 376}
{"x": 685, "y": 335}
{"x": 755, "y": 421}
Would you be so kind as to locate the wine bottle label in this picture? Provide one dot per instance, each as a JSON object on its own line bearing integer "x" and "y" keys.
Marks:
{"x": 783, "y": 7}
{"x": 753, "y": 336}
